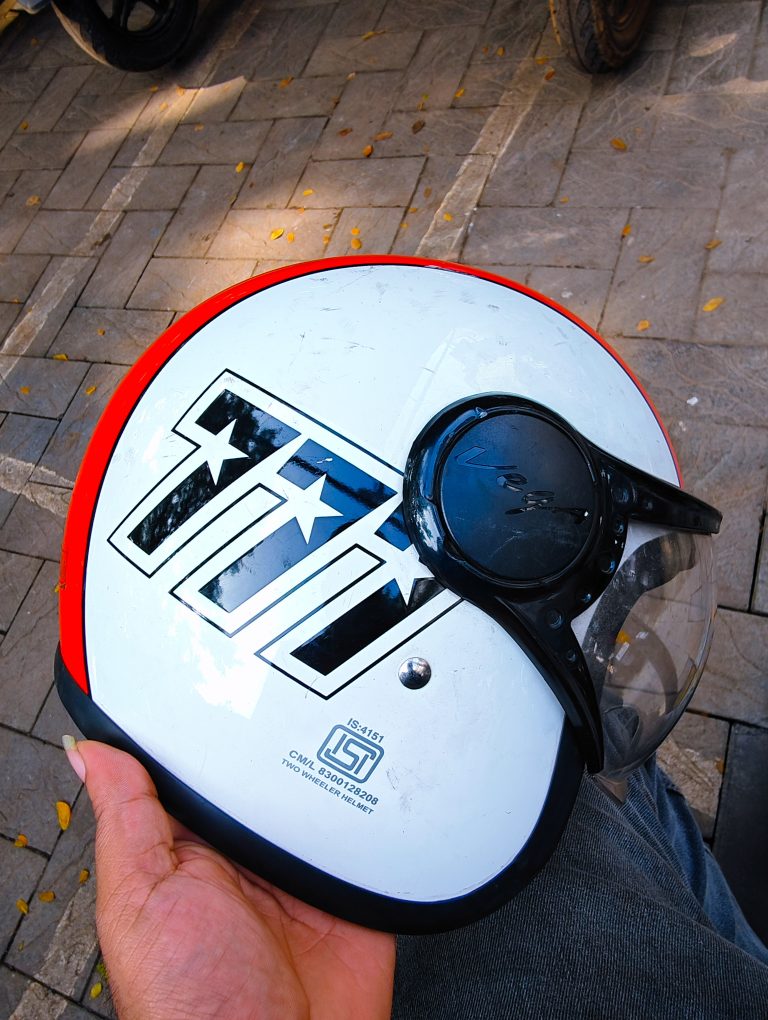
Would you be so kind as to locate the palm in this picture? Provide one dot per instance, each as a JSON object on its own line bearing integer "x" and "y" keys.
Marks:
{"x": 185, "y": 933}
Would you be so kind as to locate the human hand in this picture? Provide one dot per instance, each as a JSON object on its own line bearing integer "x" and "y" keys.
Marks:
{"x": 188, "y": 935}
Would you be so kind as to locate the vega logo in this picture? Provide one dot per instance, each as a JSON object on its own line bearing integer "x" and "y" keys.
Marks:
{"x": 276, "y": 529}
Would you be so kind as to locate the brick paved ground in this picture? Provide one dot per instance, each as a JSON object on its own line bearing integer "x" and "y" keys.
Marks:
{"x": 126, "y": 199}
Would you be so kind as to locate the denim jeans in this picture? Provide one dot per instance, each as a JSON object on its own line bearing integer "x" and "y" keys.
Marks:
{"x": 630, "y": 918}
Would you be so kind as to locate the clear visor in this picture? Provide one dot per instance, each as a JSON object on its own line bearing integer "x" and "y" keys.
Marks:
{"x": 646, "y": 640}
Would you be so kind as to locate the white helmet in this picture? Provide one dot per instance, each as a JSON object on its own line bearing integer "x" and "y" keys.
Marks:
{"x": 366, "y": 560}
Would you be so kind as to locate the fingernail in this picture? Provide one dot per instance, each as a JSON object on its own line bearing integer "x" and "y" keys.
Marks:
{"x": 74, "y": 756}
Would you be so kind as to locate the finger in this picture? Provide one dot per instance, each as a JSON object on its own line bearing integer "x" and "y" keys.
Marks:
{"x": 134, "y": 840}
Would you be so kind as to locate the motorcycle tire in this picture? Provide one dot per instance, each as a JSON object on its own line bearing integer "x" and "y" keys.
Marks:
{"x": 135, "y": 35}
{"x": 599, "y": 35}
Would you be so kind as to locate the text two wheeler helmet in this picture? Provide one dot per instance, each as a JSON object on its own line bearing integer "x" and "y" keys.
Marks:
{"x": 367, "y": 560}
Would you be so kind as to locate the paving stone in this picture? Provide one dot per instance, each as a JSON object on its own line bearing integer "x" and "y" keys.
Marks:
{"x": 12, "y": 986}
{"x": 664, "y": 292}
{"x": 760, "y": 598}
{"x": 16, "y": 576}
{"x": 300, "y": 97}
{"x": 39, "y": 1003}
{"x": 7, "y": 180}
{"x": 352, "y": 17}
{"x": 113, "y": 335}
{"x": 435, "y": 133}
{"x": 26, "y": 653}
{"x": 721, "y": 119}
{"x": 697, "y": 386}
{"x": 102, "y": 1005}
{"x": 528, "y": 171}
{"x": 24, "y": 84}
{"x": 581, "y": 291}
{"x": 115, "y": 111}
{"x": 512, "y": 31}
{"x": 589, "y": 239}
{"x": 626, "y": 107}
{"x": 380, "y": 52}
{"x": 48, "y": 305}
{"x": 57, "y": 232}
{"x": 59, "y": 93}
{"x": 693, "y": 756}
{"x": 60, "y": 950}
{"x": 51, "y": 385}
{"x": 54, "y": 721}
{"x": 226, "y": 143}
{"x": 154, "y": 127}
{"x": 689, "y": 179}
{"x": 292, "y": 47}
{"x": 437, "y": 69}
{"x": 61, "y": 461}
{"x": 20, "y": 871}
{"x": 11, "y": 115}
{"x": 201, "y": 213}
{"x": 377, "y": 182}
{"x": 35, "y": 525}
{"x": 517, "y": 84}
{"x": 412, "y": 13}
{"x": 251, "y": 49}
{"x": 377, "y": 230}
{"x": 365, "y": 104}
{"x": 247, "y": 232}
{"x": 715, "y": 46}
{"x": 741, "y": 317}
{"x": 85, "y": 169}
{"x": 146, "y": 188}
{"x": 280, "y": 163}
{"x": 741, "y": 839}
{"x": 437, "y": 177}
{"x": 180, "y": 284}
{"x": 215, "y": 102}
{"x": 22, "y": 441}
{"x": 124, "y": 261}
{"x": 34, "y": 777}
{"x": 8, "y": 315}
{"x": 21, "y": 204}
{"x": 734, "y": 684}
{"x": 19, "y": 274}
{"x": 52, "y": 150}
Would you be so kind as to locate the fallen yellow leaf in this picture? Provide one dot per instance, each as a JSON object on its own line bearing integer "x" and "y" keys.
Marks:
{"x": 619, "y": 143}
{"x": 500, "y": 51}
{"x": 326, "y": 239}
{"x": 163, "y": 106}
{"x": 33, "y": 200}
{"x": 356, "y": 243}
{"x": 308, "y": 191}
{"x": 382, "y": 136}
{"x": 90, "y": 391}
{"x": 626, "y": 231}
{"x": 240, "y": 167}
{"x": 48, "y": 896}
{"x": 355, "y": 231}
{"x": 370, "y": 35}
{"x": 712, "y": 304}
{"x": 285, "y": 82}
{"x": 24, "y": 125}
{"x": 21, "y": 840}
{"x": 60, "y": 357}
{"x": 447, "y": 217}
{"x": 277, "y": 232}
{"x": 368, "y": 151}
{"x": 24, "y": 390}
{"x": 96, "y": 990}
{"x": 427, "y": 192}
{"x": 645, "y": 259}
{"x": 101, "y": 332}
{"x": 642, "y": 325}
{"x": 83, "y": 877}
{"x": 404, "y": 225}
{"x": 550, "y": 74}
{"x": 459, "y": 93}
{"x": 154, "y": 88}
{"x": 344, "y": 132}
{"x": 418, "y": 125}
{"x": 22, "y": 906}
{"x": 542, "y": 60}
{"x": 564, "y": 199}
{"x": 413, "y": 209}
{"x": 290, "y": 237}
{"x": 715, "y": 243}
{"x": 199, "y": 127}
{"x": 180, "y": 89}
{"x": 64, "y": 814}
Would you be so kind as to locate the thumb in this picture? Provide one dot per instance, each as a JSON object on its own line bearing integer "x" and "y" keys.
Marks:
{"x": 134, "y": 842}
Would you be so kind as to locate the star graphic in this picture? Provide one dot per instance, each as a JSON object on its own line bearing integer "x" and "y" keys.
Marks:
{"x": 218, "y": 449}
{"x": 408, "y": 568}
{"x": 307, "y": 505}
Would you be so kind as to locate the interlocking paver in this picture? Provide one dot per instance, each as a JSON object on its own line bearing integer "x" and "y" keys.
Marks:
{"x": 741, "y": 318}
{"x": 434, "y": 181}
{"x": 24, "y": 84}
{"x": 581, "y": 291}
{"x": 114, "y": 335}
{"x": 31, "y": 782}
{"x": 435, "y": 133}
{"x": 22, "y": 441}
{"x": 124, "y": 261}
{"x": 16, "y": 576}
{"x": 760, "y": 599}
{"x": 280, "y": 163}
{"x": 722, "y": 119}
{"x": 179, "y": 284}
{"x": 341, "y": 182}
{"x": 298, "y": 97}
{"x": 85, "y": 169}
{"x": 38, "y": 386}
{"x": 735, "y": 685}
{"x": 115, "y": 111}
{"x": 145, "y": 188}
{"x": 20, "y": 871}
{"x": 38, "y": 151}
{"x": 19, "y": 274}
{"x": 364, "y": 106}
{"x": 248, "y": 232}
{"x": 57, "y": 232}
{"x": 35, "y": 525}
{"x": 11, "y": 115}
{"x": 377, "y": 52}
{"x": 215, "y": 143}
{"x": 21, "y": 204}
{"x": 433, "y": 13}
{"x": 374, "y": 229}
{"x": 58, "y": 94}
{"x": 695, "y": 754}
{"x": 354, "y": 16}
{"x": 718, "y": 46}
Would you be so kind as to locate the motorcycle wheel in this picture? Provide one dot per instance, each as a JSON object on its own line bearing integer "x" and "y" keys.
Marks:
{"x": 133, "y": 35}
{"x": 599, "y": 35}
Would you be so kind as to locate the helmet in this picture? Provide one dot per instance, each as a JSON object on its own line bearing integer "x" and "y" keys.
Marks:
{"x": 366, "y": 560}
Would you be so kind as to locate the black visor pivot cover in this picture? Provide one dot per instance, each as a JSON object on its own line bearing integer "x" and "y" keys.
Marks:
{"x": 512, "y": 508}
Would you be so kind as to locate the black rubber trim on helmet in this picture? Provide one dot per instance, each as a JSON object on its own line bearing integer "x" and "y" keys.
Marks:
{"x": 313, "y": 885}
